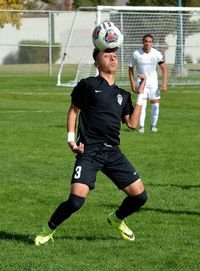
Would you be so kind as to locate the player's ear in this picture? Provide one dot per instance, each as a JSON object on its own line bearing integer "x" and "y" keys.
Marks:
{"x": 96, "y": 64}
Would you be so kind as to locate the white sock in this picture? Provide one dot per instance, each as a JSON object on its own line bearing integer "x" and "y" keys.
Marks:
{"x": 154, "y": 114}
{"x": 143, "y": 113}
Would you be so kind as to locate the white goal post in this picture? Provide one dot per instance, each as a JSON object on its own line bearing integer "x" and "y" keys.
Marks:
{"x": 176, "y": 32}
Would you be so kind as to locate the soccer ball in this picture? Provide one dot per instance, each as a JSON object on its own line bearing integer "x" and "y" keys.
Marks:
{"x": 107, "y": 37}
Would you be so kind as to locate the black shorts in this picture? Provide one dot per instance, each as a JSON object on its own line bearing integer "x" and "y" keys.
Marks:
{"x": 110, "y": 160}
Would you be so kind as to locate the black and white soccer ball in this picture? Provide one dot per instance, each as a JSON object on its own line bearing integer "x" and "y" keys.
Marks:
{"x": 107, "y": 36}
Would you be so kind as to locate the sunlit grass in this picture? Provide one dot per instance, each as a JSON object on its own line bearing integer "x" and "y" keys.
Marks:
{"x": 35, "y": 172}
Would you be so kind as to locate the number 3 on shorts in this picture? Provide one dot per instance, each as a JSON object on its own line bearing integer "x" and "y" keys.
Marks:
{"x": 77, "y": 173}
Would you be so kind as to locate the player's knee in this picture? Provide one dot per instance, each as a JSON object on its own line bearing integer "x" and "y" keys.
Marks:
{"x": 131, "y": 204}
{"x": 138, "y": 201}
{"x": 75, "y": 202}
{"x": 141, "y": 198}
{"x": 155, "y": 108}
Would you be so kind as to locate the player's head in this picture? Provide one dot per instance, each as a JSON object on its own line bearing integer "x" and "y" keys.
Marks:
{"x": 147, "y": 42}
{"x": 97, "y": 51}
{"x": 106, "y": 61}
{"x": 147, "y": 36}
{"x": 95, "y": 54}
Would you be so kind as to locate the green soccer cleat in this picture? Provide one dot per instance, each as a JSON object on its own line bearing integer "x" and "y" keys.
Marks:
{"x": 44, "y": 236}
{"x": 125, "y": 232}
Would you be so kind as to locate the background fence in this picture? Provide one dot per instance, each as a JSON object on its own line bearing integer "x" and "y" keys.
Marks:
{"x": 44, "y": 36}
{"x": 41, "y": 40}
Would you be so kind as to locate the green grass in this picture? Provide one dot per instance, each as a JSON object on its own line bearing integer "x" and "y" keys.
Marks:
{"x": 35, "y": 173}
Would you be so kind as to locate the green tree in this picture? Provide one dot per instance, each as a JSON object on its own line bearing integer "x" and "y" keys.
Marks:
{"x": 78, "y": 3}
{"x": 14, "y": 18}
{"x": 7, "y": 17}
{"x": 70, "y": 4}
{"x": 185, "y": 3}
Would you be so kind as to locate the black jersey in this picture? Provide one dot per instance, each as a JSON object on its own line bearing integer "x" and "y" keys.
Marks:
{"x": 102, "y": 107}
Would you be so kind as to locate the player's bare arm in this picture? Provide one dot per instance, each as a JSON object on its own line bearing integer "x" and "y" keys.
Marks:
{"x": 164, "y": 77}
{"x": 133, "y": 119}
{"x": 132, "y": 81}
{"x": 71, "y": 128}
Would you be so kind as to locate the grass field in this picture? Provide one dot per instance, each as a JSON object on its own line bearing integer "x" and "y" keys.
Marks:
{"x": 35, "y": 172}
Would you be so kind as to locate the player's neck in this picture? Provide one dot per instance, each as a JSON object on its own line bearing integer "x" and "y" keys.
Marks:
{"x": 147, "y": 50}
{"x": 109, "y": 77}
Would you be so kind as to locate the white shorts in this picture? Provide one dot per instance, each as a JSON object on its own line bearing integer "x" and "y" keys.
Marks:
{"x": 151, "y": 93}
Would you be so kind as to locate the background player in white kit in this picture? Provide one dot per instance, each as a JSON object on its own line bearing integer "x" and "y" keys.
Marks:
{"x": 145, "y": 61}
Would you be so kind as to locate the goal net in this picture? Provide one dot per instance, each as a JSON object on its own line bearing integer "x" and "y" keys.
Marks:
{"x": 176, "y": 32}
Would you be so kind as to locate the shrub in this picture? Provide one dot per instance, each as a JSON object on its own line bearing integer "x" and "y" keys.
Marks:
{"x": 37, "y": 51}
{"x": 11, "y": 58}
{"x": 188, "y": 59}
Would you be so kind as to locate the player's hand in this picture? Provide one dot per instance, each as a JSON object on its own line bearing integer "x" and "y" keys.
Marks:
{"x": 164, "y": 87}
{"x": 140, "y": 88}
{"x": 76, "y": 149}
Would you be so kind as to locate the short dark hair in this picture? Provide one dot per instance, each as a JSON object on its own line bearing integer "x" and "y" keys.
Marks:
{"x": 148, "y": 36}
{"x": 95, "y": 53}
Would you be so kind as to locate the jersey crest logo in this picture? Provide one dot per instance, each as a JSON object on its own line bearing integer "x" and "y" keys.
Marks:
{"x": 119, "y": 99}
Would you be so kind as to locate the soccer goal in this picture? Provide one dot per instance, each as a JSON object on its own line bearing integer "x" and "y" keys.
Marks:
{"x": 176, "y": 32}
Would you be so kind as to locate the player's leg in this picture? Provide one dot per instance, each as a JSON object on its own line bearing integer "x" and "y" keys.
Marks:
{"x": 123, "y": 174}
{"x": 143, "y": 111}
{"x": 83, "y": 179}
{"x": 136, "y": 198}
{"x": 142, "y": 116}
{"x": 75, "y": 201}
{"x": 155, "y": 105}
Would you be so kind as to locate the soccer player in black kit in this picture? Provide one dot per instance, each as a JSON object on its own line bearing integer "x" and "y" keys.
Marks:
{"x": 102, "y": 106}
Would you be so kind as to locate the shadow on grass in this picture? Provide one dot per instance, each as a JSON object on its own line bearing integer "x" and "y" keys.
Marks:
{"x": 26, "y": 239}
{"x": 23, "y": 238}
{"x": 172, "y": 212}
{"x": 88, "y": 238}
{"x": 159, "y": 210}
{"x": 182, "y": 186}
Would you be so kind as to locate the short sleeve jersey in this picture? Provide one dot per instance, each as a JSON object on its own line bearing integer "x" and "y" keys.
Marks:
{"x": 146, "y": 63}
{"x": 102, "y": 108}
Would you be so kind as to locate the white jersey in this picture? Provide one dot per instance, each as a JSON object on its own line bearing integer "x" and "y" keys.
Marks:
{"x": 146, "y": 63}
